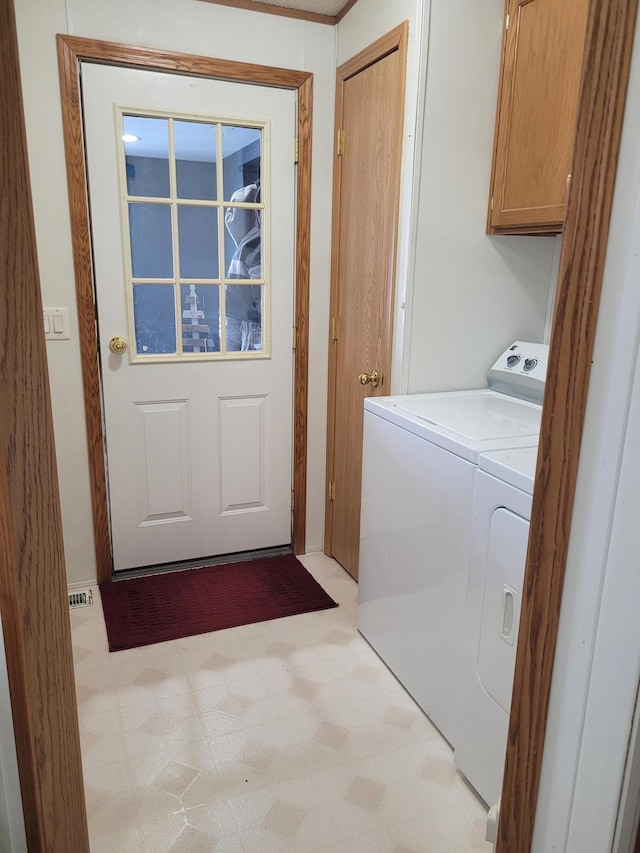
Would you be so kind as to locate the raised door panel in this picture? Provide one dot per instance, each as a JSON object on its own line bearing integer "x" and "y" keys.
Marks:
{"x": 537, "y": 108}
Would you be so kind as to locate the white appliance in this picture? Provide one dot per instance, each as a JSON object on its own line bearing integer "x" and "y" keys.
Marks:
{"x": 420, "y": 457}
{"x": 500, "y": 533}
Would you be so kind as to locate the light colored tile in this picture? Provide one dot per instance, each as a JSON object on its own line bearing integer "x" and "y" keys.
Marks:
{"x": 288, "y": 735}
{"x": 215, "y": 817}
{"x": 239, "y": 778}
{"x": 285, "y": 764}
{"x": 329, "y": 734}
{"x": 117, "y": 842}
{"x": 158, "y": 836}
{"x": 283, "y": 820}
{"x": 153, "y": 805}
{"x": 104, "y": 783}
{"x": 419, "y": 835}
{"x": 144, "y": 768}
{"x": 205, "y": 786}
{"x": 365, "y": 792}
{"x": 100, "y": 751}
{"x": 192, "y": 840}
{"x": 175, "y": 778}
{"x": 117, "y": 813}
{"x": 332, "y": 783}
{"x": 249, "y": 809}
{"x": 352, "y": 821}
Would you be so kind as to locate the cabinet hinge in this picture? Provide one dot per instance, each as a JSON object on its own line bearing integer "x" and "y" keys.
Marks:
{"x": 294, "y": 340}
{"x": 334, "y": 329}
{"x": 332, "y": 490}
{"x": 507, "y": 23}
{"x": 340, "y": 143}
{"x": 296, "y": 150}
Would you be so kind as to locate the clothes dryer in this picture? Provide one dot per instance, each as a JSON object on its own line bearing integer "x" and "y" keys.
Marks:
{"x": 420, "y": 458}
{"x": 500, "y": 533}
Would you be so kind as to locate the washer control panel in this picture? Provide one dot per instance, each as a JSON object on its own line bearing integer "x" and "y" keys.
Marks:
{"x": 521, "y": 371}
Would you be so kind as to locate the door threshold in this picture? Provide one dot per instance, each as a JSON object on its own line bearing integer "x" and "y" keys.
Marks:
{"x": 186, "y": 565}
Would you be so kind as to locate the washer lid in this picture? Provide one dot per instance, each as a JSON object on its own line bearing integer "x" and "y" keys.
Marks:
{"x": 477, "y": 418}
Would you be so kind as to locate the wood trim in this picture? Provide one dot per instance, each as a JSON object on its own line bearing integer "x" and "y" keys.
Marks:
{"x": 283, "y": 11}
{"x": 33, "y": 601}
{"x": 605, "y": 75}
{"x": 71, "y": 52}
{"x": 303, "y": 257}
{"x": 395, "y": 39}
{"x": 341, "y": 14}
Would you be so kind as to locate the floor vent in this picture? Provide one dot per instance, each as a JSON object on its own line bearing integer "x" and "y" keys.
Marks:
{"x": 82, "y": 598}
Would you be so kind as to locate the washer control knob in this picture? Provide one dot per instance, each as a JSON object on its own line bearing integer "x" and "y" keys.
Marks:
{"x": 529, "y": 364}
{"x": 512, "y": 360}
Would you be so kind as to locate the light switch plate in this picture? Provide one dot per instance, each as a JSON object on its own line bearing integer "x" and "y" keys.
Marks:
{"x": 56, "y": 324}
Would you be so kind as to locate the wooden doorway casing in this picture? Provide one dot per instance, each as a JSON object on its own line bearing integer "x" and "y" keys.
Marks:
{"x": 33, "y": 600}
{"x": 605, "y": 75}
{"x": 369, "y": 111}
{"x": 72, "y": 51}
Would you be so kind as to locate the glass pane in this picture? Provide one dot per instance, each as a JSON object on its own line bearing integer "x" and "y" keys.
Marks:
{"x": 241, "y": 156}
{"x": 244, "y": 317}
{"x": 150, "y": 234}
{"x": 154, "y": 314}
{"x": 200, "y": 317}
{"x": 195, "y": 145}
{"x": 146, "y": 147}
{"x": 244, "y": 250}
{"x": 198, "y": 241}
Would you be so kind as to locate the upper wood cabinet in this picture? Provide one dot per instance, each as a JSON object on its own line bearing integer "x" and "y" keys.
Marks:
{"x": 537, "y": 106}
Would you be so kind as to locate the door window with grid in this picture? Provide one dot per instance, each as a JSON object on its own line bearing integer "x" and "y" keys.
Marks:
{"x": 195, "y": 236}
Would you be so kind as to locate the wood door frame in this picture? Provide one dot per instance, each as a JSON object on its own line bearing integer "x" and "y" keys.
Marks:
{"x": 394, "y": 40}
{"x": 33, "y": 599}
{"x": 72, "y": 51}
{"x": 605, "y": 74}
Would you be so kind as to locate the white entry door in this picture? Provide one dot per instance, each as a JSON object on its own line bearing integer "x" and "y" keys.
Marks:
{"x": 191, "y": 187}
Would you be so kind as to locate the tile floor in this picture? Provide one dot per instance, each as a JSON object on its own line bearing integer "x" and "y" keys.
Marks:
{"x": 288, "y": 735}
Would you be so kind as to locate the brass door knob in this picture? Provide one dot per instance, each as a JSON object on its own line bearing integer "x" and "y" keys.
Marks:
{"x": 118, "y": 345}
{"x": 372, "y": 378}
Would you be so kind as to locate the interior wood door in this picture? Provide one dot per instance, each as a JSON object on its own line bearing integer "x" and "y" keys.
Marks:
{"x": 369, "y": 116}
{"x": 194, "y": 267}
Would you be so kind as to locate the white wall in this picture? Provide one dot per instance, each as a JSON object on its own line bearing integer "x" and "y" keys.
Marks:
{"x": 191, "y": 27}
{"x": 597, "y": 661}
{"x": 472, "y": 294}
{"x": 12, "y": 834}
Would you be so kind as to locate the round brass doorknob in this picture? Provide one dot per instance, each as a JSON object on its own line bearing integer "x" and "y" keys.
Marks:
{"x": 372, "y": 378}
{"x": 118, "y": 345}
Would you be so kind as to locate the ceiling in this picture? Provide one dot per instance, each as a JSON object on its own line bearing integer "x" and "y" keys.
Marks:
{"x": 320, "y": 7}
{"x": 324, "y": 11}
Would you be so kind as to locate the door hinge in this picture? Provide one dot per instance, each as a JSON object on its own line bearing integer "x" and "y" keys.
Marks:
{"x": 293, "y": 500}
{"x": 507, "y": 23}
{"x": 334, "y": 329}
{"x": 340, "y": 143}
{"x": 332, "y": 490}
{"x": 491, "y": 203}
{"x": 296, "y": 150}
{"x": 294, "y": 340}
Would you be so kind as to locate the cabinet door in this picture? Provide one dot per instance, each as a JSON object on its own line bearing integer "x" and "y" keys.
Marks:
{"x": 537, "y": 107}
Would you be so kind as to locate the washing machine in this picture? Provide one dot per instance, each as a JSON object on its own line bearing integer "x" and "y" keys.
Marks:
{"x": 420, "y": 459}
{"x": 499, "y": 537}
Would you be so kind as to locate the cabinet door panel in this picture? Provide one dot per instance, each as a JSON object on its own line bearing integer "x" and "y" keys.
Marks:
{"x": 537, "y": 108}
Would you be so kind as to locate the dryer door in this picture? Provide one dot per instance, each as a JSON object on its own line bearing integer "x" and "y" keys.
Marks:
{"x": 506, "y": 557}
